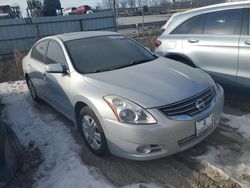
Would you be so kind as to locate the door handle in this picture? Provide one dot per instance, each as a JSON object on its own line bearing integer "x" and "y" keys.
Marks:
{"x": 44, "y": 77}
{"x": 193, "y": 40}
{"x": 247, "y": 42}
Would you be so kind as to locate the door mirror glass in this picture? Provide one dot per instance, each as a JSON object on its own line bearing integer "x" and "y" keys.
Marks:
{"x": 54, "y": 68}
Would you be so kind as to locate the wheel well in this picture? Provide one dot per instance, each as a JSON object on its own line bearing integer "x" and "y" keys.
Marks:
{"x": 26, "y": 77}
{"x": 181, "y": 59}
{"x": 78, "y": 108}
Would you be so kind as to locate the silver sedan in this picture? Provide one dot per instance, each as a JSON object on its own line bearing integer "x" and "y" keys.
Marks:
{"x": 124, "y": 99}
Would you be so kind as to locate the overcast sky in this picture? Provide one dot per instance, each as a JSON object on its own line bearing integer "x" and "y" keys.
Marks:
{"x": 65, "y": 3}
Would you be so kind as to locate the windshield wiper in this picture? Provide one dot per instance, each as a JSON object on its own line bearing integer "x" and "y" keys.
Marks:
{"x": 135, "y": 62}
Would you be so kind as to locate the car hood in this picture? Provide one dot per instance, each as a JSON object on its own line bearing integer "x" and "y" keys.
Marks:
{"x": 152, "y": 84}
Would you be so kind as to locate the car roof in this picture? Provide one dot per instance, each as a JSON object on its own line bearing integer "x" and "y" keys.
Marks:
{"x": 218, "y": 7}
{"x": 180, "y": 17}
{"x": 85, "y": 34}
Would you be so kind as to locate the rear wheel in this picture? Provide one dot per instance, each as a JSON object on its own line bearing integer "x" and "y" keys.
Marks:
{"x": 92, "y": 132}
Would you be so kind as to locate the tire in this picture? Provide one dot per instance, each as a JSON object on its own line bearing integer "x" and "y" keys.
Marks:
{"x": 92, "y": 132}
{"x": 10, "y": 154}
{"x": 32, "y": 90}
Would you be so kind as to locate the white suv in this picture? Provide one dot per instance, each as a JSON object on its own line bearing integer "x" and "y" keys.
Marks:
{"x": 214, "y": 38}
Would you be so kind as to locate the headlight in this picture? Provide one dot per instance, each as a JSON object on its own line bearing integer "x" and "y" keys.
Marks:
{"x": 128, "y": 112}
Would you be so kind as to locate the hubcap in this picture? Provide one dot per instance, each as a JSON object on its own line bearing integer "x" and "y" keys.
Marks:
{"x": 91, "y": 132}
{"x": 32, "y": 89}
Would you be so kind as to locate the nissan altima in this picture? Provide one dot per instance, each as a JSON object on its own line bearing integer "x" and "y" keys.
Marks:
{"x": 124, "y": 99}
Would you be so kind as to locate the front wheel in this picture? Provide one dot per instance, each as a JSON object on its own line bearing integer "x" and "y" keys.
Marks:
{"x": 32, "y": 90}
{"x": 92, "y": 132}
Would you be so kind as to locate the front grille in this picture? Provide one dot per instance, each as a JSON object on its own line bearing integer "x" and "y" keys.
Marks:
{"x": 189, "y": 106}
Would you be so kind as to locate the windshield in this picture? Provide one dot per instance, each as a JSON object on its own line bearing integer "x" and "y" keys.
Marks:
{"x": 105, "y": 53}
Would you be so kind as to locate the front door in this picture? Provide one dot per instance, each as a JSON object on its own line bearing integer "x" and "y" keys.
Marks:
{"x": 58, "y": 84}
{"x": 243, "y": 77}
{"x": 37, "y": 67}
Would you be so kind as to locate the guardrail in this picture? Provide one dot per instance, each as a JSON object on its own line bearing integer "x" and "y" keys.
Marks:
{"x": 140, "y": 25}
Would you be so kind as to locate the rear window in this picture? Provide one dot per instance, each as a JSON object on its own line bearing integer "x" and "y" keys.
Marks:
{"x": 193, "y": 25}
{"x": 104, "y": 53}
{"x": 249, "y": 22}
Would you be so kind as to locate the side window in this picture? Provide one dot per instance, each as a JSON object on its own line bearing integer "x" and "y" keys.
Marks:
{"x": 225, "y": 22}
{"x": 245, "y": 22}
{"x": 55, "y": 54}
{"x": 193, "y": 25}
{"x": 249, "y": 22}
{"x": 39, "y": 50}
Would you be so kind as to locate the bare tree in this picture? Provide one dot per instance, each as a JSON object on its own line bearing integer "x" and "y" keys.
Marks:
{"x": 174, "y": 4}
{"x": 123, "y": 3}
{"x": 154, "y": 2}
{"x": 139, "y": 3}
{"x": 131, "y": 3}
{"x": 107, "y": 4}
{"x": 145, "y": 2}
{"x": 164, "y": 2}
{"x": 98, "y": 6}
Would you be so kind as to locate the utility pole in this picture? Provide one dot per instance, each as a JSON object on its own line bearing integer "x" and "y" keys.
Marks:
{"x": 174, "y": 3}
{"x": 114, "y": 9}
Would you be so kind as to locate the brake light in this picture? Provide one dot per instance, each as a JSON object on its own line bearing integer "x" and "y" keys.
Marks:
{"x": 157, "y": 43}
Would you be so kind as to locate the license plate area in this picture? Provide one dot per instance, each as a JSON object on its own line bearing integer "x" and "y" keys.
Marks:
{"x": 204, "y": 124}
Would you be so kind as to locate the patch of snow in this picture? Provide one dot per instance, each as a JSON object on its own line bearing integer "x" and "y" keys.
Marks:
{"x": 62, "y": 166}
{"x": 209, "y": 162}
{"x": 225, "y": 162}
{"x": 241, "y": 123}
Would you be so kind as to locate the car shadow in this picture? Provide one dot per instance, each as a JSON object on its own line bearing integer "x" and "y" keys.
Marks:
{"x": 237, "y": 100}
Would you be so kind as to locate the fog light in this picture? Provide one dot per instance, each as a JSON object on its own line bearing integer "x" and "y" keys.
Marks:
{"x": 145, "y": 149}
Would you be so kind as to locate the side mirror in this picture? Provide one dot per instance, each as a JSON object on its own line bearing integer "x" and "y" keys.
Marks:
{"x": 54, "y": 68}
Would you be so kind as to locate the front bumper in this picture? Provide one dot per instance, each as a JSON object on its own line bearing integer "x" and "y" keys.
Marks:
{"x": 167, "y": 137}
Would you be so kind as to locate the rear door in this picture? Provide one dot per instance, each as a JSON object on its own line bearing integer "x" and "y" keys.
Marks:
{"x": 243, "y": 76}
{"x": 37, "y": 67}
{"x": 215, "y": 50}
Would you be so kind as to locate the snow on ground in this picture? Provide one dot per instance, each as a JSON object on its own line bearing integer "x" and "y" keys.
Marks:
{"x": 62, "y": 166}
{"x": 225, "y": 162}
{"x": 241, "y": 123}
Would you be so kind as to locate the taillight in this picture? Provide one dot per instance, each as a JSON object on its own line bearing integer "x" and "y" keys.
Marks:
{"x": 157, "y": 43}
